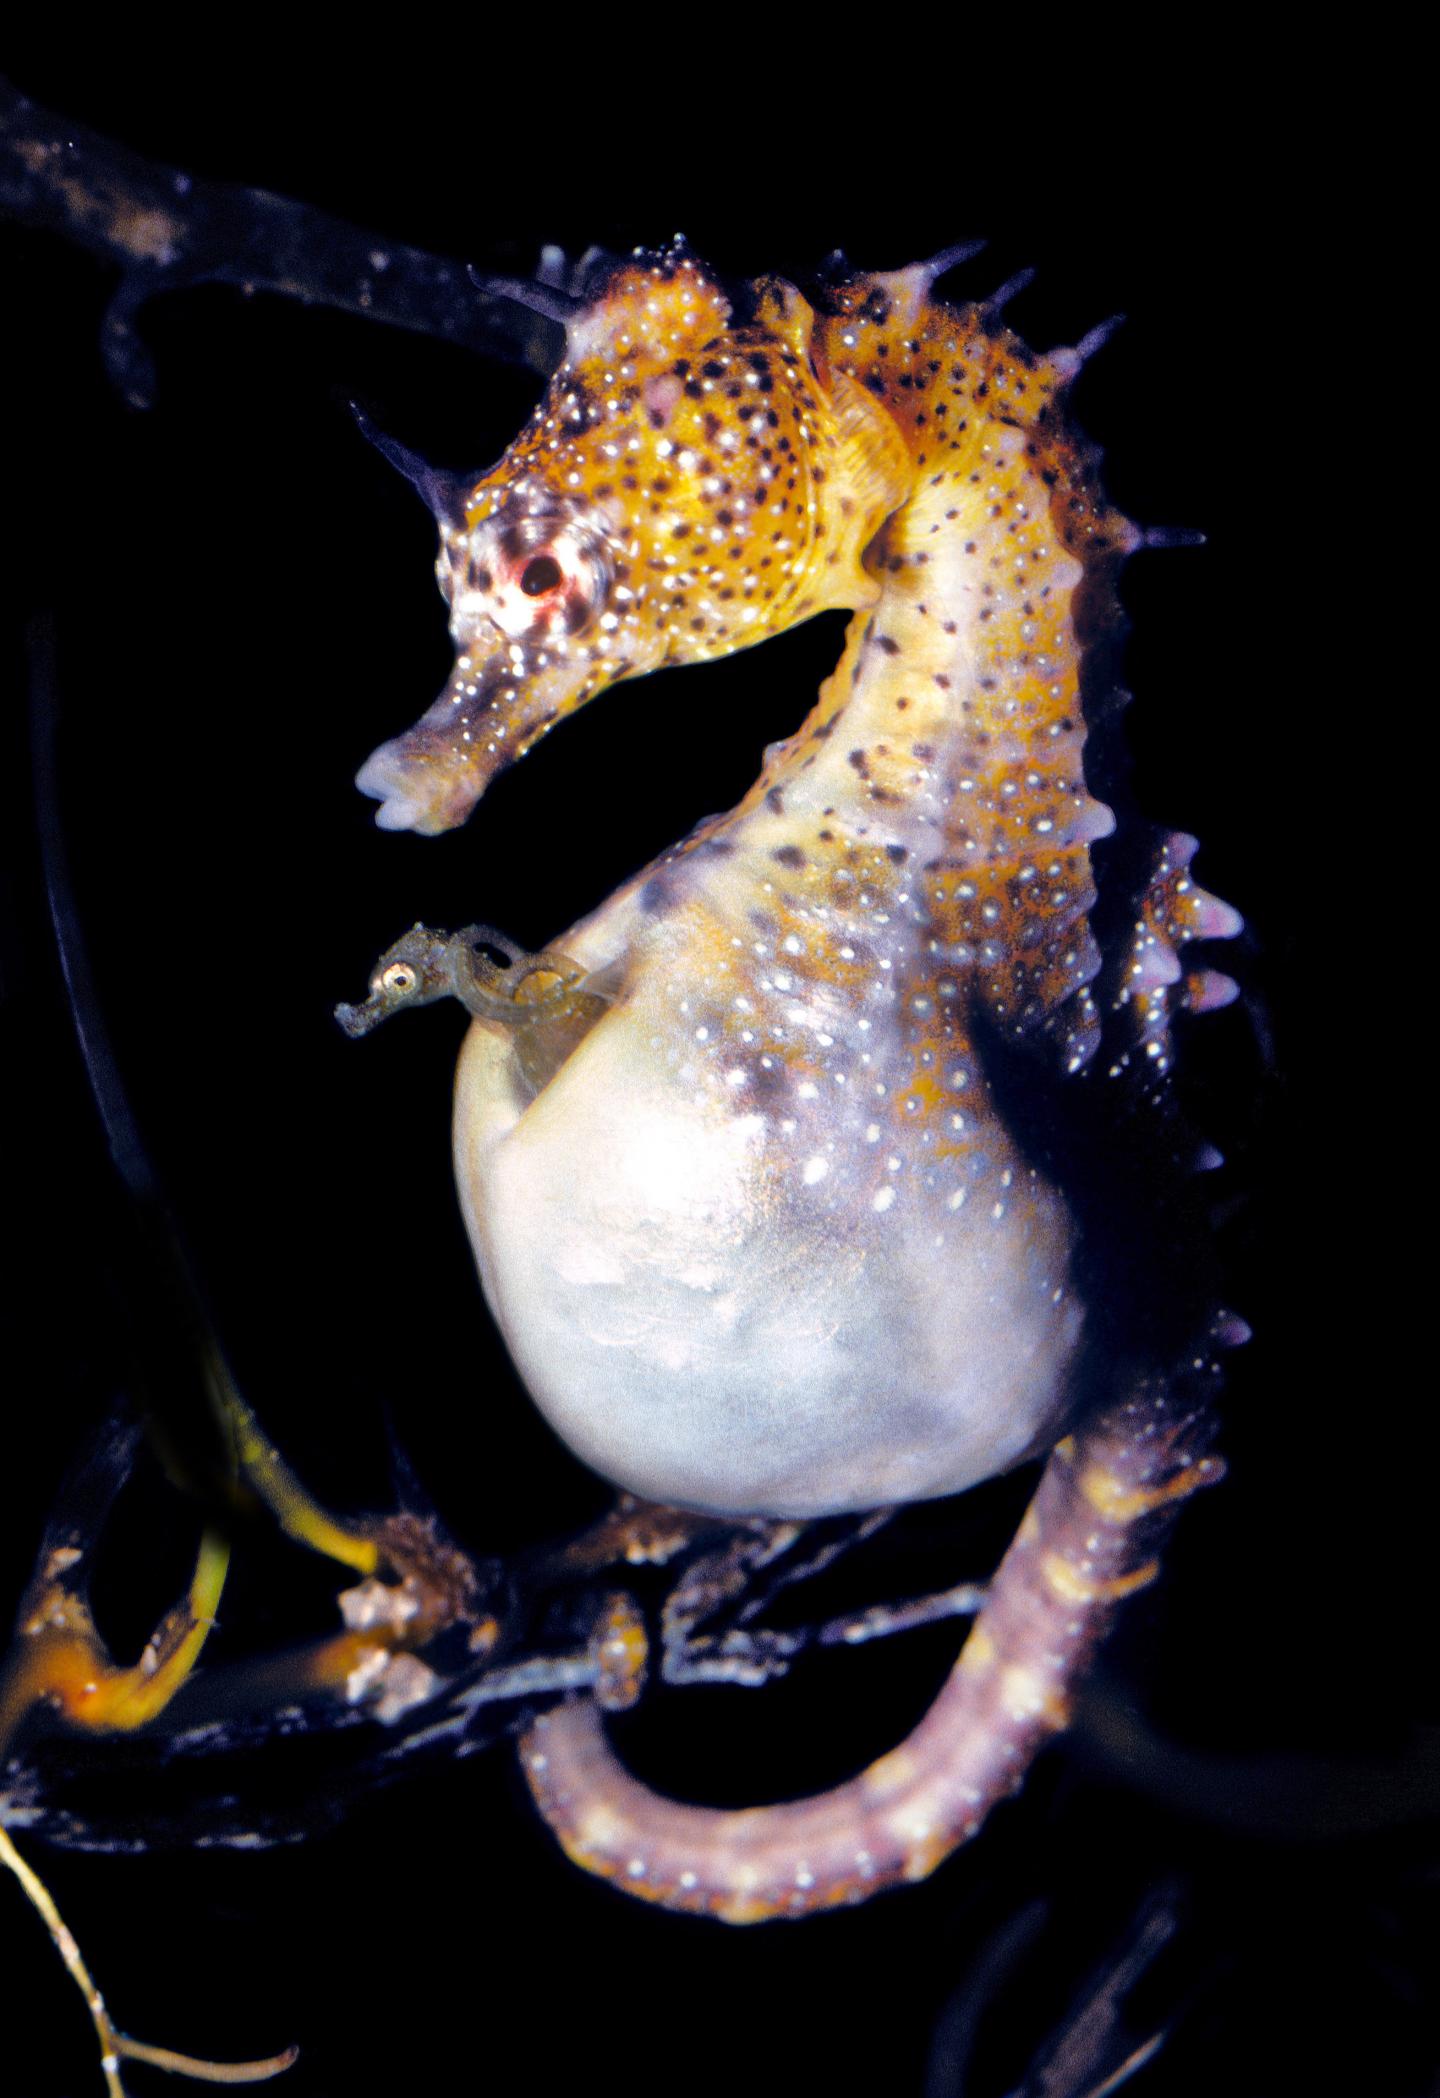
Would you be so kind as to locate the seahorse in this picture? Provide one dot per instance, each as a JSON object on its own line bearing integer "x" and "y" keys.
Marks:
{"x": 834, "y": 1161}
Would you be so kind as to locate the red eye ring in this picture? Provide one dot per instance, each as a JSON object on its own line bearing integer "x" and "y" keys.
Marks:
{"x": 541, "y": 574}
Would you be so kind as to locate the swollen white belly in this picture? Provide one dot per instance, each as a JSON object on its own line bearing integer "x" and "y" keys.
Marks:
{"x": 714, "y": 1319}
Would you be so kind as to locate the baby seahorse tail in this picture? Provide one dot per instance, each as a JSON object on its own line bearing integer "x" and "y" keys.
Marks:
{"x": 1087, "y": 1540}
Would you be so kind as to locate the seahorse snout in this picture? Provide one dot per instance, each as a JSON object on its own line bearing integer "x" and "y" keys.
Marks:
{"x": 429, "y": 778}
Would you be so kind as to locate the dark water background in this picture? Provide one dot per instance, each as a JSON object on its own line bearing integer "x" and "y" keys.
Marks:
{"x": 243, "y": 605}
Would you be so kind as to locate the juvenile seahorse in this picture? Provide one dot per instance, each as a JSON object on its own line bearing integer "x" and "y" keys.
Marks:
{"x": 852, "y": 1175}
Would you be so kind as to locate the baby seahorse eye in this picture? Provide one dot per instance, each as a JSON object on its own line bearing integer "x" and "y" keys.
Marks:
{"x": 399, "y": 979}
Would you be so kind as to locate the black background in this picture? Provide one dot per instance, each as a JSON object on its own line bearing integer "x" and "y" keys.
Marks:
{"x": 243, "y": 606}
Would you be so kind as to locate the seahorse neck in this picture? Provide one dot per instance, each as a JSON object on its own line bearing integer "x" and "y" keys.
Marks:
{"x": 952, "y": 721}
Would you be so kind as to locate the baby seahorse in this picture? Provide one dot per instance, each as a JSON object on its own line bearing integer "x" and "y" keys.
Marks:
{"x": 850, "y": 1172}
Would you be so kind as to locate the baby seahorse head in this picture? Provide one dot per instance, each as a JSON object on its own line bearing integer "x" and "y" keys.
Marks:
{"x": 689, "y": 484}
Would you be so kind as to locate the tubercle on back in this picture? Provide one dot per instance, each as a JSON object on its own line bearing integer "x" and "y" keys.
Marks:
{"x": 910, "y": 350}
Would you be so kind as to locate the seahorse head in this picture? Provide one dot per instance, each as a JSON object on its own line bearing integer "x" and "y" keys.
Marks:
{"x": 691, "y": 482}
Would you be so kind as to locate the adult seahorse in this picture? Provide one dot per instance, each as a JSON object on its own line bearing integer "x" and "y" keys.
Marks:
{"x": 833, "y": 1161}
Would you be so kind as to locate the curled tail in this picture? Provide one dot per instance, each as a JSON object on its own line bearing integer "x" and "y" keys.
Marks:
{"x": 1088, "y": 1540}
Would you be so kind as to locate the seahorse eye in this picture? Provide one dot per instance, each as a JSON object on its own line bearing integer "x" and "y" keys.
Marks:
{"x": 398, "y": 979}
{"x": 541, "y": 574}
